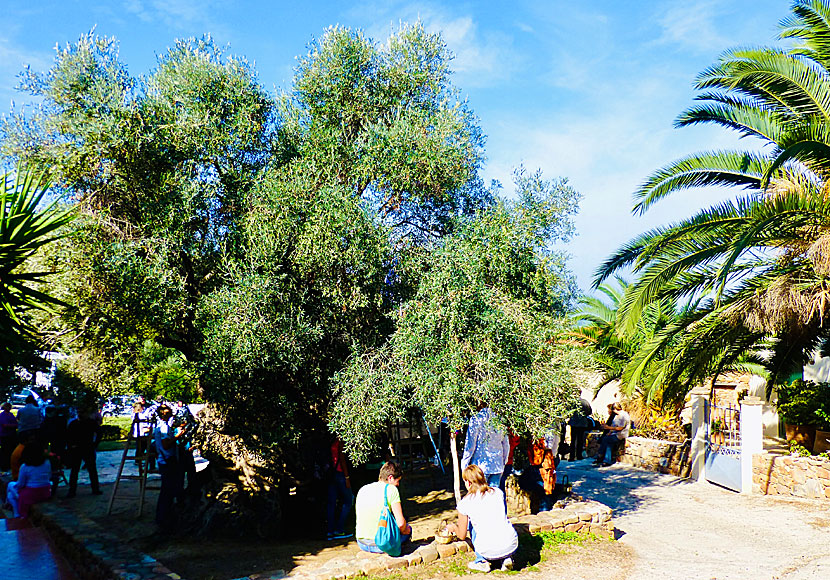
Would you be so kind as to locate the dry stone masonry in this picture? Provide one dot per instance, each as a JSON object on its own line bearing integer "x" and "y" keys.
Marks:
{"x": 575, "y": 516}
{"x": 789, "y": 475}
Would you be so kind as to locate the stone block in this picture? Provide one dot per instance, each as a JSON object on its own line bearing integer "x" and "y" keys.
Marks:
{"x": 428, "y": 553}
{"x": 373, "y": 566}
{"x": 413, "y": 559}
{"x": 584, "y": 516}
{"x": 396, "y": 563}
{"x": 573, "y": 527}
{"x": 462, "y": 547}
{"x": 445, "y": 550}
{"x": 813, "y": 488}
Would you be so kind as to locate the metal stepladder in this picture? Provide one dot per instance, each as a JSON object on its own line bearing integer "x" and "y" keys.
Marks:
{"x": 141, "y": 458}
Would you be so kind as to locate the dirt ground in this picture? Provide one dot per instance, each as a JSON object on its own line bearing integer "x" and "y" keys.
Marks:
{"x": 667, "y": 528}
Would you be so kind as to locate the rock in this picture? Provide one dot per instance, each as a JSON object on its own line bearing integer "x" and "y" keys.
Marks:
{"x": 445, "y": 550}
{"x": 428, "y": 553}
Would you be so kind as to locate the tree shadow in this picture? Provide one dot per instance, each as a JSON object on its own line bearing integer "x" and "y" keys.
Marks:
{"x": 624, "y": 489}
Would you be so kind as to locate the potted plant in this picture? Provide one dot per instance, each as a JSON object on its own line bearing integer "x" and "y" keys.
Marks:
{"x": 822, "y": 440}
{"x": 716, "y": 429}
{"x": 797, "y": 407}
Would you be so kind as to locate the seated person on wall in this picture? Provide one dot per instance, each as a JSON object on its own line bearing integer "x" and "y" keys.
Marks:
{"x": 12, "y": 499}
{"x": 617, "y": 432}
{"x": 34, "y": 483}
{"x": 539, "y": 478}
{"x": 369, "y": 507}
{"x": 482, "y": 513}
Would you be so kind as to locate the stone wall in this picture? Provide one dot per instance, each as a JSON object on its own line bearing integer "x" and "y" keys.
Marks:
{"x": 650, "y": 454}
{"x": 791, "y": 475}
{"x": 657, "y": 455}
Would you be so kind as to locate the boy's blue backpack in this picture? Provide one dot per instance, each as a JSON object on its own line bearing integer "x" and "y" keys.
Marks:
{"x": 388, "y": 537}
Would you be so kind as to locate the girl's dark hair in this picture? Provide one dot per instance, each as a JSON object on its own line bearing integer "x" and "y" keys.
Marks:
{"x": 33, "y": 454}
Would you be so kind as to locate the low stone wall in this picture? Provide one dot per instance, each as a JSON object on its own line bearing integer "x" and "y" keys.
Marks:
{"x": 575, "y": 516}
{"x": 790, "y": 475}
{"x": 657, "y": 455}
{"x": 93, "y": 553}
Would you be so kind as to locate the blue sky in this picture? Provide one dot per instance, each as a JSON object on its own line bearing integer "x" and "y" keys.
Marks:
{"x": 586, "y": 91}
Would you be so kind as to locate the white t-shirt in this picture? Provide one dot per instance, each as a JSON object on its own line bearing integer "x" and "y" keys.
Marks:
{"x": 495, "y": 536}
{"x": 621, "y": 419}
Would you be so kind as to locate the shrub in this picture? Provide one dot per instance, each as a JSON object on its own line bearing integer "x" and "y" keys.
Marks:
{"x": 805, "y": 403}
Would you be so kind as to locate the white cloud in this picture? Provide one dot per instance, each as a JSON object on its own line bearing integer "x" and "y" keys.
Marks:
{"x": 13, "y": 60}
{"x": 177, "y": 14}
{"x": 691, "y": 25}
{"x": 481, "y": 59}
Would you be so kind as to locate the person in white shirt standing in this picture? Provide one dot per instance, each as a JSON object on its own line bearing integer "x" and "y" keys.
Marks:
{"x": 482, "y": 512}
{"x": 617, "y": 431}
{"x": 486, "y": 447}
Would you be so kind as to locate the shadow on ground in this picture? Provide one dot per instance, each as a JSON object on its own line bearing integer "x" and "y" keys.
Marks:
{"x": 622, "y": 488}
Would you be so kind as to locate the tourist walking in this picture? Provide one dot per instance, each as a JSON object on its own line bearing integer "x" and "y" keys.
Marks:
{"x": 82, "y": 435}
{"x": 486, "y": 446}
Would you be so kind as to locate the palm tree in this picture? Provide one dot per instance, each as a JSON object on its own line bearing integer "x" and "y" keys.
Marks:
{"x": 598, "y": 328}
{"x": 24, "y": 229}
{"x": 758, "y": 265}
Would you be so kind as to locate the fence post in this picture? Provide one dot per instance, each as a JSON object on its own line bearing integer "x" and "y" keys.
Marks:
{"x": 697, "y": 451}
{"x": 752, "y": 438}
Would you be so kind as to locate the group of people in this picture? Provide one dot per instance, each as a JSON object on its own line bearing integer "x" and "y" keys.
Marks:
{"x": 37, "y": 444}
{"x": 482, "y": 513}
{"x": 164, "y": 439}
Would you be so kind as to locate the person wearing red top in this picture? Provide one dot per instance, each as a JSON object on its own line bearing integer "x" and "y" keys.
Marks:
{"x": 339, "y": 488}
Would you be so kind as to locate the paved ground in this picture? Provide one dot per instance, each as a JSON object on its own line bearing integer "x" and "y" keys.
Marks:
{"x": 679, "y": 529}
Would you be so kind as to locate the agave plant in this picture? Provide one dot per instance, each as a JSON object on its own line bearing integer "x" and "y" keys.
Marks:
{"x": 25, "y": 227}
{"x": 758, "y": 266}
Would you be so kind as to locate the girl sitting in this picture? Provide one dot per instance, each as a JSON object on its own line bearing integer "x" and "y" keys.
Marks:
{"x": 34, "y": 483}
{"x": 482, "y": 511}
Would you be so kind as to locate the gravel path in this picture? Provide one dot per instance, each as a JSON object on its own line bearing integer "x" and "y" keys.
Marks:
{"x": 679, "y": 529}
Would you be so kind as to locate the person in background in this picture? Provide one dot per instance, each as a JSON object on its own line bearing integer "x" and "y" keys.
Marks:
{"x": 164, "y": 438}
{"x": 82, "y": 435}
{"x": 513, "y": 440}
{"x": 15, "y": 462}
{"x": 185, "y": 426}
{"x": 482, "y": 513}
{"x": 369, "y": 507}
{"x": 580, "y": 422}
{"x": 339, "y": 489}
{"x": 617, "y": 431}
{"x": 29, "y": 418}
{"x": 8, "y": 436}
{"x": 486, "y": 446}
{"x": 542, "y": 473}
{"x": 34, "y": 483}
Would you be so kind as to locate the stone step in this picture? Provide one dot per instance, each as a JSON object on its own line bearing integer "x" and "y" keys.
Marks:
{"x": 27, "y": 554}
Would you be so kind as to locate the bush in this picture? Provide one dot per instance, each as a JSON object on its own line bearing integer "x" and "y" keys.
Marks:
{"x": 116, "y": 428}
{"x": 805, "y": 403}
